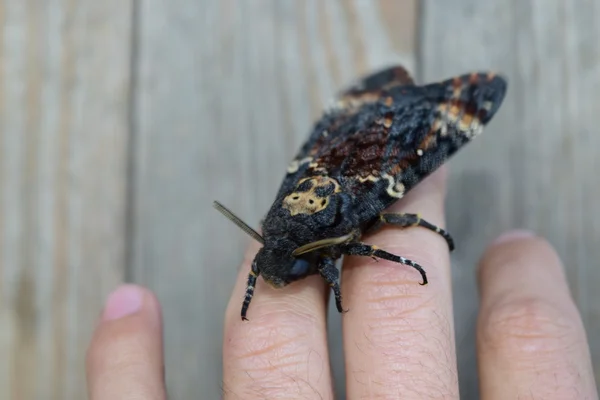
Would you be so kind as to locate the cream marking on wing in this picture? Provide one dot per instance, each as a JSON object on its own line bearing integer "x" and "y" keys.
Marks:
{"x": 295, "y": 165}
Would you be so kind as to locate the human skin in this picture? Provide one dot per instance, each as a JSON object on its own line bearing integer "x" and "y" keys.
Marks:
{"x": 398, "y": 335}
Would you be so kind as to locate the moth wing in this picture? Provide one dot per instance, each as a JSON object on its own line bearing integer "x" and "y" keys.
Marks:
{"x": 392, "y": 145}
{"x": 393, "y": 134}
{"x": 371, "y": 88}
{"x": 368, "y": 89}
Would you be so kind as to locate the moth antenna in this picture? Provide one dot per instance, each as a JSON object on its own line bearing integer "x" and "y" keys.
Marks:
{"x": 241, "y": 224}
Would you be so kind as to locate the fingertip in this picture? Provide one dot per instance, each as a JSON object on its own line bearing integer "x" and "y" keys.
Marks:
{"x": 129, "y": 310}
{"x": 528, "y": 321}
{"x": 521, "y": 248}
{"x": 125, "y": 353}
{"x": 123, "y": 301}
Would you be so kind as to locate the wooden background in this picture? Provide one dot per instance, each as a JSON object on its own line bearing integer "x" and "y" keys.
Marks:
{"x": 121, "y": 120}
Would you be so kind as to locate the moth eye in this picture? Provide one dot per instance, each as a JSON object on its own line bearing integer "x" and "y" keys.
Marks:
{"x": 295, "y": 197}
{"x": 311, "y": 201}
{"x": 323, "y": 202}
{"x": 299, "y": 269}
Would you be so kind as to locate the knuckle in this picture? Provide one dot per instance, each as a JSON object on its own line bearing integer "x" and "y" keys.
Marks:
{"x": 390, "y": 289}
{"x": 274, "y": 355}
{"x": 527, "y": 325}
{"x": 394, "y": 305}
{"x": 407, "y": 333}
{"x": 396, "y": 298}
{"x": 402, "y": 330}
{"x": 272, "y": 337}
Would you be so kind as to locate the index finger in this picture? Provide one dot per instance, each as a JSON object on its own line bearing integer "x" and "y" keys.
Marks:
{"x": 281, "y": 352}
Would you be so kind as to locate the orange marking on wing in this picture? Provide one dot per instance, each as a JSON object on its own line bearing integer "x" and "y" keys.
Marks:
{"x": 406, "y": 162}
{"x": 467, "y": 119}
{"x": 387, "y": 122}
{"x": 428, "y": 140}
{"x": 454, "y": 112}
{"x": 357, "y": 100}
{"x": 451, "y": 109}
{"x": 395, "y": 170}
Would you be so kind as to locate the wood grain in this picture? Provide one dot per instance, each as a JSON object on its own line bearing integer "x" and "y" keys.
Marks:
{"x": 119, "y": 126}
{"x": 536, "y": 166}
{"x": 64, "y": 82}
{"x": 227, "y": 91}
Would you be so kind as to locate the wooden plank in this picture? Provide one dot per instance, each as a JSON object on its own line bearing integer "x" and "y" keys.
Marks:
{"x": 536, "y": 166}
{"x": 64, "y": 82}
{"x": 227, "y": 91}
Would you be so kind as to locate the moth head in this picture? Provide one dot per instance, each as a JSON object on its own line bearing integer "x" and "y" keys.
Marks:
{"x": 275, "y": 261}
{"x": 279, "y": 267}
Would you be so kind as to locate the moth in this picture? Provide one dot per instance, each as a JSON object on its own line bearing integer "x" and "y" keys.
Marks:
{"x": 381, "y": 137}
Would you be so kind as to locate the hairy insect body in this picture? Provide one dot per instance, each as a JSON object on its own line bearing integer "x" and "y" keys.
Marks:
{"x": 383, "y": 136}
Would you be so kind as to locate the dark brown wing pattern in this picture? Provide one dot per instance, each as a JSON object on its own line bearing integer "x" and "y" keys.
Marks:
{"x": 387, "y": 134}
{"x": 381, "y": 138}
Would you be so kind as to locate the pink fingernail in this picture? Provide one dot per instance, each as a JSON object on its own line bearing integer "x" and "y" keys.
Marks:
{"x": 513, "y": 235}
{"x": 125, "y": 300}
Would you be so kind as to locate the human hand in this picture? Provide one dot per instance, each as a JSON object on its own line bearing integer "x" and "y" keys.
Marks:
{"x": 398, "y": 335}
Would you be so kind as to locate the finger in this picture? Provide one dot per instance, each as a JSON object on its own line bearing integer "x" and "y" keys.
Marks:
{"x": 530, "y": 337}
{"x": 399, "y": 335}
{"x": 124, "y": 359}
{"x": 281, "y": 352}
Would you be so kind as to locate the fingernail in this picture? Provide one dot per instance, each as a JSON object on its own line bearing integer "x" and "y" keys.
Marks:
{"x": 513, "y": 235}
{"x": 125, "y": 300}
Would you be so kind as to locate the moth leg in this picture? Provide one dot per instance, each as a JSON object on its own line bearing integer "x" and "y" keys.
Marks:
{"x": 408, "y": 220}
{"x": 363, "y": 249}
{"x": 331, "y": 274}
{"x": 249, "y": 290}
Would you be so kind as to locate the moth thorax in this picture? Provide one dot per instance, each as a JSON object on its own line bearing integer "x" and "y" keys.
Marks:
{"x": 311, "y": 195}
